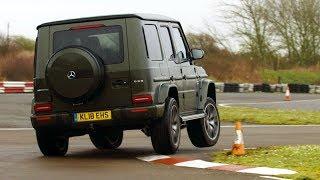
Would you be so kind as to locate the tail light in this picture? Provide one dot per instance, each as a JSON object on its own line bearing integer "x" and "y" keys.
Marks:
{"x": 142, "y": 99}
{"x": 43, "y": 107}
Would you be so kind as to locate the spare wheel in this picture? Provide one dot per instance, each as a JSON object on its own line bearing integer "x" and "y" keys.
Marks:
{"x": 74, "y": 73}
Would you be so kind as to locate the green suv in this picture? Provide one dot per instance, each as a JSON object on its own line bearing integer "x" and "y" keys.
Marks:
{"x": 104, "y": 75}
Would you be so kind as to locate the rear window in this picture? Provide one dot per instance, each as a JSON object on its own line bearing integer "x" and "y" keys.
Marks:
{"x": 105, "y": 42}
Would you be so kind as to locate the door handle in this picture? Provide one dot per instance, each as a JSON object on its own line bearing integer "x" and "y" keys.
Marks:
{"x": 119, "y": 83}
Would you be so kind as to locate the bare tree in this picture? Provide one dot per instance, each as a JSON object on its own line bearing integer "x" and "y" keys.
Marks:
{"x": 296, "y": 25}
{"x": 249, "y": 24}
{"x": 4, "y": 44}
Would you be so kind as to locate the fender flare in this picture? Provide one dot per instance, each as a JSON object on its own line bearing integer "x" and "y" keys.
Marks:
{"x": 163, "y": 91}
{"x": 203, "y": 89}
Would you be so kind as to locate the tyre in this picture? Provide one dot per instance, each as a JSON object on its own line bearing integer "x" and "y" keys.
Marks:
{"x": 106, "y": 138}
{"x": 205, "y": 132}
{"x": 166, "y": 132}
{"x": 51, "y": 144}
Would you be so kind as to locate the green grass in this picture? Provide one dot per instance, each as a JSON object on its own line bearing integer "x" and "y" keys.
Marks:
{"x": 290, "y": 76}
{"x": 303, "y": 159}
{"x": 269, "y": 116}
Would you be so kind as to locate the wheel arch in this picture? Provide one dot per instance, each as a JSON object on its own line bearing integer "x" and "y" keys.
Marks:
{"x": 211, "y": 92}
{"x": 167, "y": 90}
{"x": 207, "y": 88}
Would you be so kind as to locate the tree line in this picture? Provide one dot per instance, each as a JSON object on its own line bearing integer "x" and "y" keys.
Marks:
{"x": 278, "y": 31}
{"x": 272, "y": 33}
{"x": 14, "y": 44}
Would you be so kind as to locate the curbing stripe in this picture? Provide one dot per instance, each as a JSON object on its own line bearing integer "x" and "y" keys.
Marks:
{"x": 153, "y": 158}
{"x": 267, "y": 171}
{"x": 16, "y": 129}
{"x": 171, "y": 161}
{"x": 12, "y": 87}
{"x": 272, "y": 177}
{"x": 233, "y": 168}
{"x": 200, "y": 164}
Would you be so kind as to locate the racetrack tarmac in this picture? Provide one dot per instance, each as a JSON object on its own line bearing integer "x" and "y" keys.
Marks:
{"x": 15, "y": 108}
{"x": 20, "y": 157}
{"x": 270, "y": 100}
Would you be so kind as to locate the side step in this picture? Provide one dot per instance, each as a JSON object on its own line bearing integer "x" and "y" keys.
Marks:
{"x": 193, "y": 117}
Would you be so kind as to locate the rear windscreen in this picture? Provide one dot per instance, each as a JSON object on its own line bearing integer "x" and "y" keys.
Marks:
{"x": 105, "y": 42}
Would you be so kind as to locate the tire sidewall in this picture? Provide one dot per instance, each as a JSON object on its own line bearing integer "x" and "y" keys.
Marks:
{"x": 48, "y": 144}
{"x": 171, "y": 103}
{"x": 209, "y": 140}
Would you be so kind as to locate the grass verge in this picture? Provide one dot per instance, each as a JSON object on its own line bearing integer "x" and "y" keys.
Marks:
{"x": 303, "y": 159}
{"x": 269, "y": 116}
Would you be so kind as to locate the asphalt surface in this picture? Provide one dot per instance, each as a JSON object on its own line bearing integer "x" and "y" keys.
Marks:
{"x": 20, "y": 157}
{"x": 271, "y": 100}
{"x": 15, "y": 108}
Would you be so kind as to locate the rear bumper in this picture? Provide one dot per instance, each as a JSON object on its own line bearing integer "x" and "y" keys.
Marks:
{"x": 127, "y": 118}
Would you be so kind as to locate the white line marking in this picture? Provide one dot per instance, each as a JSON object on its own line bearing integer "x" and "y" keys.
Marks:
{"x": 272, "y": 177}
{"x": 224, "y": 105}
{"x": 268, "y": 126}
{"x": 152, "y": 158}
{"x": 16, "y": 129}
{"x": 267, "y": 171}
{"x": 272, "y": 102}
{"x": 199, "y": 164}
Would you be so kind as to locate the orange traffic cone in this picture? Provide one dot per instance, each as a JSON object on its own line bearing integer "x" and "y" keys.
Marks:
{"x": 238, "y": 146}
{"x": 288, "y": 95}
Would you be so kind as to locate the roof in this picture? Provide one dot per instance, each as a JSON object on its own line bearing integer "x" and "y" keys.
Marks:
{"x": 152, "y": 17}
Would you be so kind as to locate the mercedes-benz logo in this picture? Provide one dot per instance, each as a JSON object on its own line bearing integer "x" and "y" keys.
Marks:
{"x": 71, "y": 75}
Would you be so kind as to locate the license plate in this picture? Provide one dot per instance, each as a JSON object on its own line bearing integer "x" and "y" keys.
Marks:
{"x": 92, "y": 116}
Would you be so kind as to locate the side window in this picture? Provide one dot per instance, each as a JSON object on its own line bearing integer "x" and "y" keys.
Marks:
{"x": 181, "y": 49}
{"x": 167, "y": 42}
{"x": 152, "y": 42}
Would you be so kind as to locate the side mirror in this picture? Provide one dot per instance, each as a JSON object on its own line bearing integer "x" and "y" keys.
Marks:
{"x": 197, "y": 54}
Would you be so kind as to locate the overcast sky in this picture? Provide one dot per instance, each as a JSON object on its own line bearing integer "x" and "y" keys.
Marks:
{"x": 24, "y": 16}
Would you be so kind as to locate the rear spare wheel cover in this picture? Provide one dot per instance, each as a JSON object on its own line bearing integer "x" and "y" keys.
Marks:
{"x": 74, "y": 73}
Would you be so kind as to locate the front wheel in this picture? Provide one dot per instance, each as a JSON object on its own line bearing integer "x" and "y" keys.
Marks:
{"x": 166, "y": 132}
{"x": 51, "y": 144}
{"x": 205, "y": 132}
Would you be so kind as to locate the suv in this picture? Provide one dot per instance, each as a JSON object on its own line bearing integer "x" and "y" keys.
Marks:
{"x": 103, "y": 75}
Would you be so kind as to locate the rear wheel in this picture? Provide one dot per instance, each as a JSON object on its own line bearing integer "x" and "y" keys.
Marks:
{"x": 205, "y": 132}
{"x": 166, "y": 132}
{"x": 51, "y": 144}
{"x": 106, "y": 138}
